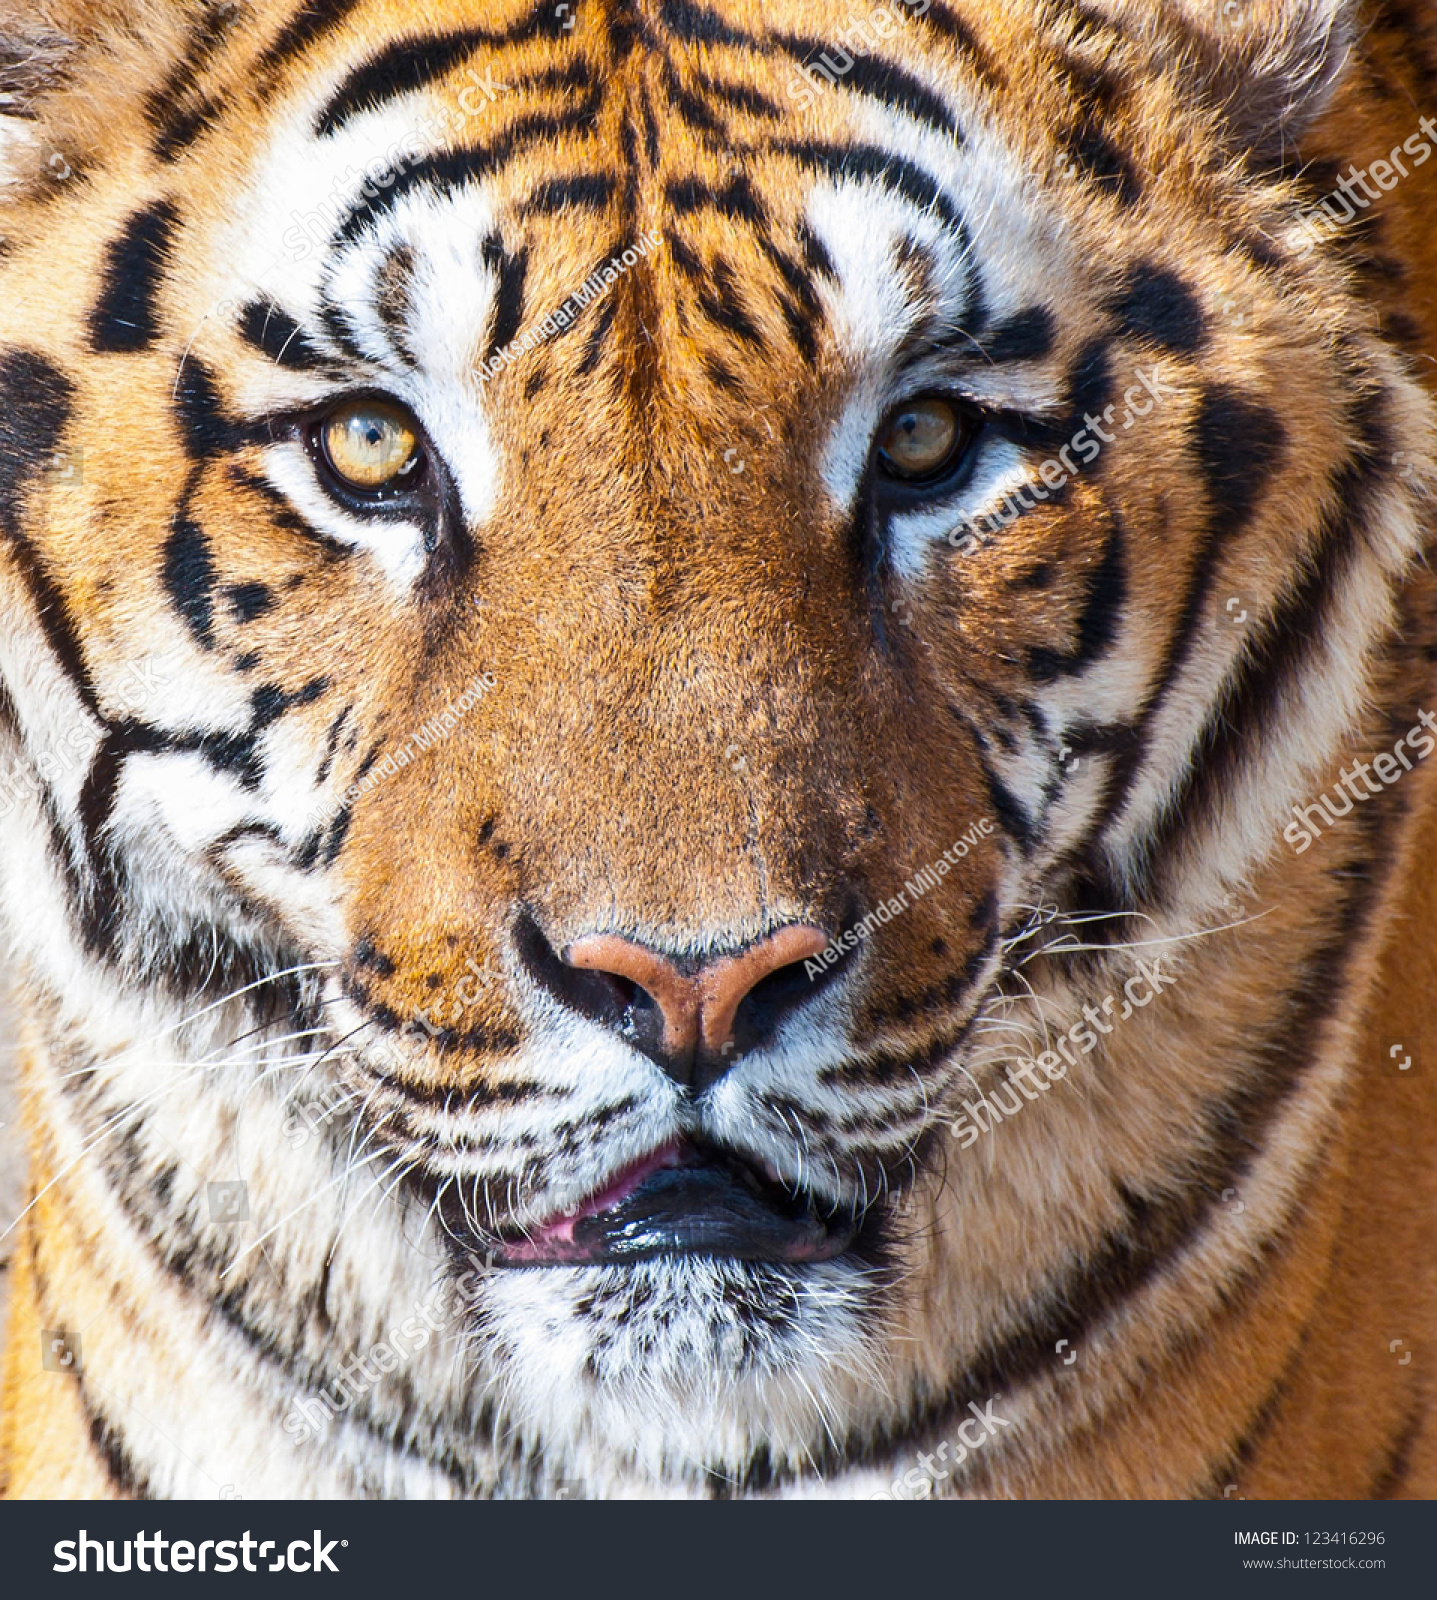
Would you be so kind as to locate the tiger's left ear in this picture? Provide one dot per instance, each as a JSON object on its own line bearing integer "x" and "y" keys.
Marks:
{"x": 1271, "y": 66}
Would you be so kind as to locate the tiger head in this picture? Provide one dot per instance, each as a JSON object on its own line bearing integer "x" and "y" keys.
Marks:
{"x": 649, "y": 594}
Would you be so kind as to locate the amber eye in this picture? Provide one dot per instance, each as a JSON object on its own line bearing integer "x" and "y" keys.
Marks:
{"x": 370, "y": 444}
{"x": 922, "y": 439}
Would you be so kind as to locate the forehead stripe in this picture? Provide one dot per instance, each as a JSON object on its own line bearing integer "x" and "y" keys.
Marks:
{"x": 452, "y": 169}
{"x": 412, "y": 64}
{"x": 316, "y": 18}
{"x": 877, "y": 79}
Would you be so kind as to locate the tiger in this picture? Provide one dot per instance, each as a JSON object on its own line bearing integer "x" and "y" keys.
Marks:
{"x": 717, "y": 731}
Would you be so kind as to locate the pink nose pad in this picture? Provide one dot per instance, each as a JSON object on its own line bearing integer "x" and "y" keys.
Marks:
{"x": 698, "y": 1008}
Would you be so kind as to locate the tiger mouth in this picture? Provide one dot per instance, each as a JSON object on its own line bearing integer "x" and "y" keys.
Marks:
{"x": 682, "y": 1200}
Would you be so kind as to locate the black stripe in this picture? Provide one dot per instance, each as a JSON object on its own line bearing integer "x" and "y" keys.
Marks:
{"x": 594, "y": 348}
{"x": 452, "y": 169}
{"x": 736, "y": 199}
{"x": 189, "y": 577}
{"x": 1012, "y": 817}
{"x": 282, "y": 513}
{"x": 802, "y": 310}
{"x": 400, "y": 68}
{"x": 1240, "y": 1453}
{"x": 171, "y": 1240}
{"x": 35, "y": 402}
{"x": 177, "y": 112}
{"x": 1027, "y": 335}
{"x": 408, "y": 65}
{"x": 724, "y": 307}
{"x": 1098, "y": 623}
{"x": 694, "y": 25}
{"x": 249, "y": 600}
{"x": 1100, "y": 161}
{"x": 693, "y": 112}
{"x": 104, "y": 1436}
{"x": 876, "y": 79}
{"x": 686, "y": 261}
{"x": 270, "y": 328}
{"x": 1253, "y": 704}
{"x": 509, "y": 298}
{"x": 1234, "y": 1130}
{"x": 1239, "y": 443}
{"x": 1156, "y": 305}
{"x": 317, "y": 18}
{"x": 103, "y": 900}
{"x": 855, "y": 162}
{"x": 337, "y": 324}
{"x": 206, "y": 429}
{"x": 591, "y": 191}
{"x": 738, "y": 96}
{"x": 945, "y": 22}
{"x": 125, "y": 318}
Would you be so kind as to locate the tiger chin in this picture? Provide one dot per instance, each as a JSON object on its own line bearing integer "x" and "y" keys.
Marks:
{"x": 715, "y": 748}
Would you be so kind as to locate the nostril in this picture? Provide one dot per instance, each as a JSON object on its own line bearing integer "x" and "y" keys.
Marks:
{"x": 764, "y": 1008}
{"x": 603, "y": 997}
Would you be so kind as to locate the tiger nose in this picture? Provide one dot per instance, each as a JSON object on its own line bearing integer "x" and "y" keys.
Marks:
{"x": 699, "y": 1006}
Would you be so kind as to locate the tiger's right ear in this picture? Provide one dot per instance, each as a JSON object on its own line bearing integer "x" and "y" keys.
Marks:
{"x": 33, "y": 63}
{"x": 1269, "y": 66}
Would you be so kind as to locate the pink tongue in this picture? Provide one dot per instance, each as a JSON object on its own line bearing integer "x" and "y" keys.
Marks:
{"x": 560, "y": 1230}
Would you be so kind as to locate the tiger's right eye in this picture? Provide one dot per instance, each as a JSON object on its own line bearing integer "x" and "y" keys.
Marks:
{"x": 370, "y": 444}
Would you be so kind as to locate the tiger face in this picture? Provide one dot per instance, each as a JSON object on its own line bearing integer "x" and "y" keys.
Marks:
{"x": 680, "y": 572}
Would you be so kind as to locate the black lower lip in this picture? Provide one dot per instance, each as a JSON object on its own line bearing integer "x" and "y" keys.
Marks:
{"x": 710, "y": 1205}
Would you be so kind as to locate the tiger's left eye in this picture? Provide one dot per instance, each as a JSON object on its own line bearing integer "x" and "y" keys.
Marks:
{"x": 370, "y": 444}
{"x": 922, "y": 440}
